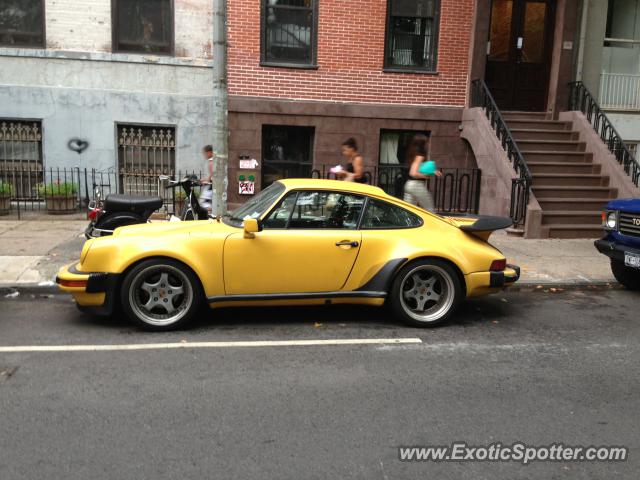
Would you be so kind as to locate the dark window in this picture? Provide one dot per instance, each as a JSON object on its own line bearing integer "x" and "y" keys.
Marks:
{"x": 412, "y": 35}
{"x": 286, "y": 152}
{"x": 392, "y": 168}
{"x": 144, "y": 26}
{"x": 382, "y": 215}
{"x": 22, "y": 23}
{"x": 330, "y": 210}
{"x": 21, "y": 156}
{"x": 289, "y": 32}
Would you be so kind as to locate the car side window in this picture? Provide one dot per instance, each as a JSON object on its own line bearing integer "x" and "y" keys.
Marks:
{"x": 329, "y": 210}
{"x": 279, "y": 217}
{"x": 382, "y": 215}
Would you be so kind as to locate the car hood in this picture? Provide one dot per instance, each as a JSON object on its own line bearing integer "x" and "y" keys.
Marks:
{"x": 175, "y": 228}
{"x": 626, "y": 204}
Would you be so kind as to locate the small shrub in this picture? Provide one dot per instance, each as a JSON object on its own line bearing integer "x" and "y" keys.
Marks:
{"x": 5, "y": 189}
{"x": 57, "y": 189}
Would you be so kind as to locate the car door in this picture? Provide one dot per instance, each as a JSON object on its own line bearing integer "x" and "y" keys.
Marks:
{"x": 309, "y": 243}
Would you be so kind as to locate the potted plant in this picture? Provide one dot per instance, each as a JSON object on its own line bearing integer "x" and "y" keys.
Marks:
{"x": 60, "y": 197}
{"x": 5, "y": 197}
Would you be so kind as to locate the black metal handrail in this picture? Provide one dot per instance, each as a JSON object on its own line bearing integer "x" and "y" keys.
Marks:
{"x": 521, "y": 185}
{"x": 581, "y": 99}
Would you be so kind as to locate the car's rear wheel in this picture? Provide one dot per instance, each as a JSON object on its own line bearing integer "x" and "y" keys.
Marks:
{"x": 627, "y": 276}
{"x": 425, "y": 293}
{"x": 161, "y": 294}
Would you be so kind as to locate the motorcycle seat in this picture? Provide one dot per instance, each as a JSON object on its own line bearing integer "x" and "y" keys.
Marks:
{"x": 131, "y": 203}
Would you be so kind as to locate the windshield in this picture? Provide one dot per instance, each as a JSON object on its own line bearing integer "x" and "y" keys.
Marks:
{"x": 258, "y": 205}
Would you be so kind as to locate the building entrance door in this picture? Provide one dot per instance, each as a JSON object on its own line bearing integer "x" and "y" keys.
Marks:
{"x": 520, "y": 45}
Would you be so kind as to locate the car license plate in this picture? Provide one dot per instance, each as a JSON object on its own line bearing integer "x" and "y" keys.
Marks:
{"x": 632, "y": 260}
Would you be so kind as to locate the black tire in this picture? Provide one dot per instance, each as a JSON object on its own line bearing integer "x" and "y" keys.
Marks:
{"x": 178, "y": 290}
{"x": 627, "y": 276}
{"x": 415, "y": 287}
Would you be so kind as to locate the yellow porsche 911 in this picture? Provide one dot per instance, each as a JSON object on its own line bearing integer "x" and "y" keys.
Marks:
{"x": 298, "y": 242}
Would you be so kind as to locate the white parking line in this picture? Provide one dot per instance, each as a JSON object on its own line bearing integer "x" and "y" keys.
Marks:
{"x": 169, "y": 346}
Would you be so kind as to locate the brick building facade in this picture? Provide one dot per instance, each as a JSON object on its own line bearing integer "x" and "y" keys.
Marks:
{"x": 306, "y": 74}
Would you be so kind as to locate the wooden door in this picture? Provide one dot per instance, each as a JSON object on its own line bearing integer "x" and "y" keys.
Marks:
{"x": 519, "y": 53}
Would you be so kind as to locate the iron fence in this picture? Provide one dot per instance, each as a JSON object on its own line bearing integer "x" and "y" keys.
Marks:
{"x": 456, "y": 191}
{"x": 70, "y": 190}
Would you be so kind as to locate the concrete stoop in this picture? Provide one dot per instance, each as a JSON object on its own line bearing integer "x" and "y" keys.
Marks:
{"x": 569, "y": 187}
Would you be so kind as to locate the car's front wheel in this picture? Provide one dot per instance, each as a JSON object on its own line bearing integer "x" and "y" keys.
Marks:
{"x": 627, "y": 276}
{"x": 425, "y": 293}
{"x": 161, "y": 294}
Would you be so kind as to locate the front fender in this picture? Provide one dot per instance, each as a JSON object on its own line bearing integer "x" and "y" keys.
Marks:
{"x": 201, "y": 253}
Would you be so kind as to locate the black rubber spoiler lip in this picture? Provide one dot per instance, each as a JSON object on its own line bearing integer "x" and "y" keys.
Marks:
{"x": 486, "y": 223}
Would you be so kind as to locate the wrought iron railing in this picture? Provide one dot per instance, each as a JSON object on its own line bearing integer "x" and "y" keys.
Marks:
{"x": 581, "y": 99}
{"x": 521, "y": 185}
{"x": 70, "y": 190}
{"x": 456, "y": 191}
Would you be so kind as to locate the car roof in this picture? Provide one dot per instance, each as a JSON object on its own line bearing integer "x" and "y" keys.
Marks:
{"x": 338, "y": 185}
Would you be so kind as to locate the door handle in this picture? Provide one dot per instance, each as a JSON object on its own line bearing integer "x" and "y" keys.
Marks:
{"x": 347, "y": 243}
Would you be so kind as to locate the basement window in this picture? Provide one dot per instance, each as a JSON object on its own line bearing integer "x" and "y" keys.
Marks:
{"x": 143, "y": 26}
{"x": 412, "y": 35}
{"x": 287, "y": 152}
{"x": 22, "y": 23}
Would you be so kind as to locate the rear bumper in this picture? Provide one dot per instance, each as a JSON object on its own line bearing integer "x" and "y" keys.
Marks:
{"x": 93, "y": 292}
{"x": 614, "y": 250}
{"x": 482, "y": 283}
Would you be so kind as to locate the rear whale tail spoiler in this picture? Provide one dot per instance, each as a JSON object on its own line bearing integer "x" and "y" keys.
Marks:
{"x": 487, "y": 224}
{"x": 481, "y": 226}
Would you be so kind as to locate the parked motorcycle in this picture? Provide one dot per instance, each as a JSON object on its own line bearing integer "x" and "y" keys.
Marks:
{"x": 118, "y": 210}
{"x": 192, "y": 209}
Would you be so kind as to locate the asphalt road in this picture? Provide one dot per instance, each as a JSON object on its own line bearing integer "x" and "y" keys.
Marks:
{"x": 536, "y": 367}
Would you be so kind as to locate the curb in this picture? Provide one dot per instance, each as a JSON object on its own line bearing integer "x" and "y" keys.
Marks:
{"x": 28, "y": 289}
{"x": 544, "y": 286}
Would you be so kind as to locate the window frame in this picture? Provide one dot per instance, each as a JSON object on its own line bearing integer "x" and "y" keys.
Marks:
{"x": 284, "y": 64}
{"x": 364, "y": 212}
{"x": 115, "y": 33}
{"x": 387, "y": 44}
{"x": 44, "y": 33}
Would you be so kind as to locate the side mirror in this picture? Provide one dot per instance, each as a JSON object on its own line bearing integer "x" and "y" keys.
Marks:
{"x": 251, "y": 227}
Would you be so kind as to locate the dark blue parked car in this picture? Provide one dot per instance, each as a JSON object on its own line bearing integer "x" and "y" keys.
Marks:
{"x": 621, "y": 221}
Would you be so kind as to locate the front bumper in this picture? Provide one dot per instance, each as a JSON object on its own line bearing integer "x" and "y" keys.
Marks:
{"x": 614, "y": 250}
{"x": 482, "y": 283}
{"x": 94, "y": 292}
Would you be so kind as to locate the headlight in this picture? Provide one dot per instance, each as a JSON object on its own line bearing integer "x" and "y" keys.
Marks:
{"x": 611, "y": 220}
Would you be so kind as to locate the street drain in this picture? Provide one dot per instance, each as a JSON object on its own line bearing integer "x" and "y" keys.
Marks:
{"x": 6, "y": 373}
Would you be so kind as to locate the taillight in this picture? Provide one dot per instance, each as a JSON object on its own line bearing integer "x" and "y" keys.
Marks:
{"x": 71, "y": 283}
{"x": 93, "y": 213}
{"x": 498, "y": 265}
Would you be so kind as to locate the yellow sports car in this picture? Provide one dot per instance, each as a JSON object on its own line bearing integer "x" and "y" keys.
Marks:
{"x": 308, "y": 242}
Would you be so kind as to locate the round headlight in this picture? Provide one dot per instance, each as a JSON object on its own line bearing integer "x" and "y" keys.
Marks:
{"x": 612, "y": 220}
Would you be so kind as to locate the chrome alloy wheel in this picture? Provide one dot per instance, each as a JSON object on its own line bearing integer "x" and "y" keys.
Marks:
{"x": 427, "y": 293}
{"x": 160, "y": 295}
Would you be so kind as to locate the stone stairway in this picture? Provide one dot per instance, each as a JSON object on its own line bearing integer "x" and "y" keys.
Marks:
{"x": 567, "y": 184}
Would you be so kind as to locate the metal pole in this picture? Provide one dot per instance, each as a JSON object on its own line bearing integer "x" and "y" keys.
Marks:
{"x": 220, "y": 106}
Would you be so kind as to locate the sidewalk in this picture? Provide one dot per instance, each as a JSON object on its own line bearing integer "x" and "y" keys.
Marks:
{"x": 31, "y": 252}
